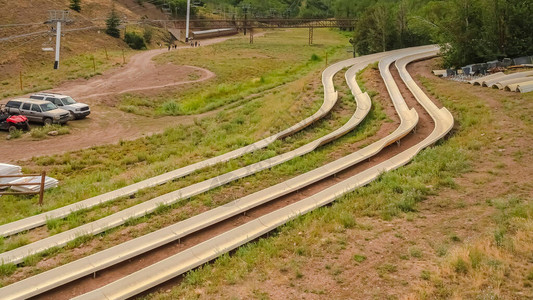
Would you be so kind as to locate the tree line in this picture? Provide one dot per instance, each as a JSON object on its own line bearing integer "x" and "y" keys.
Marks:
{"x": 469, "y": 31}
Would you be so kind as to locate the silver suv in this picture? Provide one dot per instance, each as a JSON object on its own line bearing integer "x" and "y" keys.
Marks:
{"x": 37, "y": 111}
{"x": 77, "y": 110}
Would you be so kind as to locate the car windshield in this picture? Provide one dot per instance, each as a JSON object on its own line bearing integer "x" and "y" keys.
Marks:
{"x": 68, "y": 100}
{"x": 48, "y": 106}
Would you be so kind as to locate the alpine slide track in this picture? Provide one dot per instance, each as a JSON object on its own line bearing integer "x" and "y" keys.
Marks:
{"x": 352, "y": 171}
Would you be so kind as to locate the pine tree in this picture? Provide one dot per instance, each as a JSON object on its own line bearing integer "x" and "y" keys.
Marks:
{"x": 112, "y": 23}
{"x": 75, "y": 5}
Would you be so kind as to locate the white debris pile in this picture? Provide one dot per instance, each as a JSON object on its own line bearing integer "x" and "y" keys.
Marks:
{"x": 8, "y": 170}
{"x": 49, "y": 182}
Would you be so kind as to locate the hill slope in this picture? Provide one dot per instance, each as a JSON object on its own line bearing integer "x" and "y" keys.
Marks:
{"x": 27, "y": 17}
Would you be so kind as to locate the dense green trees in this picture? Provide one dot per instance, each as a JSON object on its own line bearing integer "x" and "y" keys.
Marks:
{"x": 179, "y": 8}
{"x": 469, "y": 31}
{"x": 472, "y": 31}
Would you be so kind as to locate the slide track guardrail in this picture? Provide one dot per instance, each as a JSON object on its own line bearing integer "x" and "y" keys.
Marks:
{"x": 330, "y": 99}
{"x": 116, "y": 254}
{"x": 190, "y": 258}
{"x": 17, "y": 255}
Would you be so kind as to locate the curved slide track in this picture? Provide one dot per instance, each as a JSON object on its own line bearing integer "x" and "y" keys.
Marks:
{"x": 330, "y": 99}
{"x": 17, "y": 255}
{"x": 173, "y": 266}
{"x": 132, "y": 248}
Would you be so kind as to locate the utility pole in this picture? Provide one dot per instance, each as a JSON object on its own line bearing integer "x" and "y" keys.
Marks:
{"x": 58, "y": 17}
{"x": 188, "y": 17}
{"x": 245, "y": 8}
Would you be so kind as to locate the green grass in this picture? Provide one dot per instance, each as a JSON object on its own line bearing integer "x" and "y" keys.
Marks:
{"x": 165, "y": 215}
{"x": 359, "y": 258}
{"x": 93, "y": 171}
{"x": 242, "y": 70}
{"x": 16, "y": 133}
{"x": 7, "y": 269}
{"x": 43, "y": 132}
{"x": 393, "y": 194}
{"x": 40, "y": 76}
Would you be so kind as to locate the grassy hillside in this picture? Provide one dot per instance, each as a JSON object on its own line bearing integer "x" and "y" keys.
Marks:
{"x": 453, "y": 224}
{"x": 25, "y": 54}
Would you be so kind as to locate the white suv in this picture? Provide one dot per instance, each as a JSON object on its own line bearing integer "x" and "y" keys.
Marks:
{"x": 77, "y": 110}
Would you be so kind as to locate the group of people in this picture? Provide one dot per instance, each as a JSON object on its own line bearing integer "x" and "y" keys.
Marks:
{"x": 174, "y": 46}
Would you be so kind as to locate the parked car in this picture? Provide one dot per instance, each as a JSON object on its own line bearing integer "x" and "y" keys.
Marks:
{"x": 77, "y": 110}
{"x": 37, "y": 111}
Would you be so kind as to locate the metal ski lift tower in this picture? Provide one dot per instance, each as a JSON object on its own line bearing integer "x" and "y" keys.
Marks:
{"x": 188, "y": 18}
{"x": 58, "y": 17}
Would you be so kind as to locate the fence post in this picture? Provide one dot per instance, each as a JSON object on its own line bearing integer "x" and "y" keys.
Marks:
{"x": 41, "y": 190}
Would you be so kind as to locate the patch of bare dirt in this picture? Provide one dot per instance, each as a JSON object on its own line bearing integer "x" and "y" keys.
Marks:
{"x": 108, "y": 125}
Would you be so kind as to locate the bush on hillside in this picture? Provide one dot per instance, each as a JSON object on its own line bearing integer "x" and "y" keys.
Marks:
{"x": 134, "y": 40}
{"x": 147, "y": 34}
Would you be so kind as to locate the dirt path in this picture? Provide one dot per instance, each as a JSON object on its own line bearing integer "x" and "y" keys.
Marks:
{"x": 106, "y": 124}
{"x": 140, "y": 74}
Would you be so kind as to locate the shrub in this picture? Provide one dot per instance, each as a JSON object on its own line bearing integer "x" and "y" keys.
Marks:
{"x": 315, "y": 57}
{"x": 16, "y": 133}
{"x": 134, "y": 40}
{"x": 147, "y": 34}
{"x": 460, "y": 266}
{"x": 41, "y": 132}
{"x": 359, "y": 258}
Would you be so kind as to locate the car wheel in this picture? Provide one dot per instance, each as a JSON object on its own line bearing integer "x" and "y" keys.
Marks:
{"x": 27, "y": 126}
{"x": 11, "y": 128}
{"x": 48, "y": 121}
{"x": 72, "y": 116}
